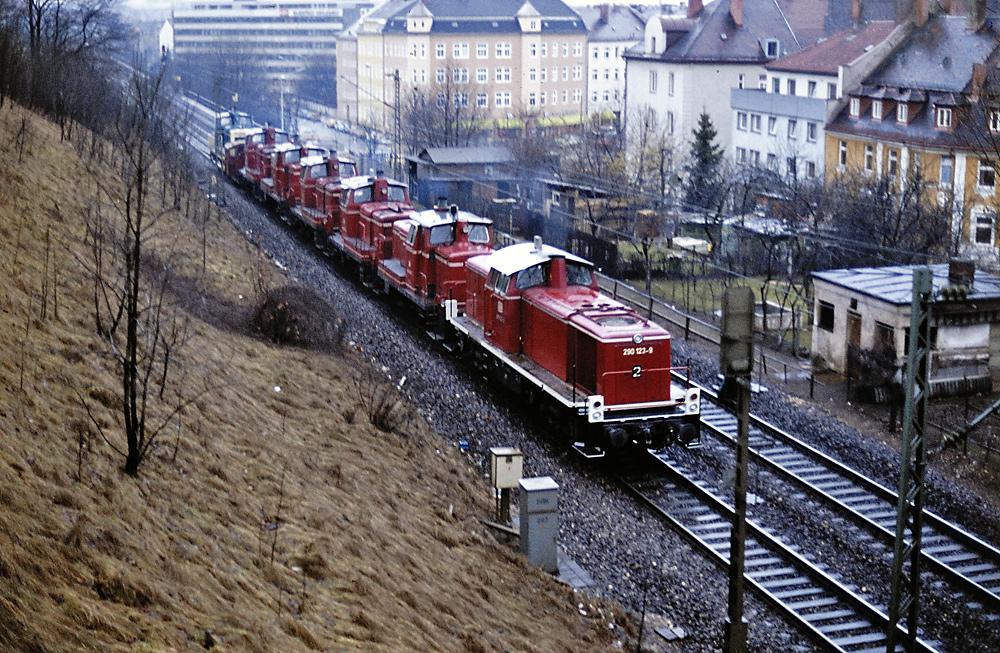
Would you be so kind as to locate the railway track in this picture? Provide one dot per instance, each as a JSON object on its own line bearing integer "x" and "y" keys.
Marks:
{"x": 832, "y": 613}
{"x": 970, "y": 564}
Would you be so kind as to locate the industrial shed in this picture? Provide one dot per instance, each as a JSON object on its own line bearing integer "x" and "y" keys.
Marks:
{"x": 869, "y": 308}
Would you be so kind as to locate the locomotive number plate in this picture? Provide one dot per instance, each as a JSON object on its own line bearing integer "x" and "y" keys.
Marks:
{"x": 636, "y": 351}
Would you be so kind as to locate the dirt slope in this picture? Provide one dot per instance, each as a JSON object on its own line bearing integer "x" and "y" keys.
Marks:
{"x": 263, "y": 520}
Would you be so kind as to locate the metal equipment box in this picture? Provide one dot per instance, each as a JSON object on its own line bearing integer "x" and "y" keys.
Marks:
{"x": 506, "y": 467}
{"x": 539, "y": 521}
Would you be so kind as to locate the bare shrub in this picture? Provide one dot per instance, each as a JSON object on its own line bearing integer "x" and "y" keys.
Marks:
{"x": 297, "y": 316}
{"x": 382, "y": 403}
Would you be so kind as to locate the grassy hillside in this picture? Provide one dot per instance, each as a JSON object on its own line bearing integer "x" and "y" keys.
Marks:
{"x": 263, "y": 520}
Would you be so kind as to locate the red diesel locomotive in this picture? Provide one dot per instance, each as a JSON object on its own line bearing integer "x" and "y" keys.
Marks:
{"x": 535, "y": 314}
{"x": 531, "y": 314}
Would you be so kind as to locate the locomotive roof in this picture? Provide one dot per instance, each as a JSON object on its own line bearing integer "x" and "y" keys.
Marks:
{"x": 363, "y": 180}
{"x": 514, "y": 258}
{"x": 316, "y": 159}
{"x": 432, "y": 218}
{"x": 285, "y": 147}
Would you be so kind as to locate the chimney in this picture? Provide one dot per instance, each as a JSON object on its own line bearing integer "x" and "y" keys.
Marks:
{"x": 975, "y": 15}
{"x": 605, "y": 12}
{"x": 961, "y": 272}
{"x": 921, "y": 11}
{"x": 694, "y": 8}
{"x": 979, "y": 71}
{"x": 736, "y": 12}
{"x": 855, "y": 10}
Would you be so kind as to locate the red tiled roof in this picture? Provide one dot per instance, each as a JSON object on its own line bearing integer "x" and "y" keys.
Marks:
{"x": 840, "y": 49}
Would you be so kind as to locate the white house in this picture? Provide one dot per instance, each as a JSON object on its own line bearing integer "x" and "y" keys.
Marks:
{"x": 611, "y": 30}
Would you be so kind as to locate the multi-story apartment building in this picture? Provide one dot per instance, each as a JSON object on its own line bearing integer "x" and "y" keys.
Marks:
{"x": 506, "y": 58}
{"x": 611, "y": 30}
{"x": 924, "y": 116}
{"x": 283, "y": 35}
{"x": 779, "y": 123}
{"x": 687, "y": 65}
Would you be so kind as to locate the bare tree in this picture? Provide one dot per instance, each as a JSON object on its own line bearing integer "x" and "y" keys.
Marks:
{"x": 131, "y": 284}
{"x": 444, "y": 113}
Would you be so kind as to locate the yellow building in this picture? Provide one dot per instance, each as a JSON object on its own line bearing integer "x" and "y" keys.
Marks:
{"x": 924, "y": 108}
{"x": 501, "y": 57}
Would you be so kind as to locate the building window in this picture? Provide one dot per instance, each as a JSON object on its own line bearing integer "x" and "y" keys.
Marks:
{"x": 762, "y": 83}
{"x": 793, "y": 126}
{"x": 503, "y": 50}
{"x": 877, "y": 110}
{"x": 994, "y": 121}
{"x": 984, "y": 221}
{"x": 741, "y": 155}
{"x": 532, "y": 73}
{"x": 944, "y": 117}
{"x": 772, "y": 161}
{"x": 885, "y": 336}
{"x": 842, "y": 154}
{"x": 987, "y": 177}
{"x": 792, "y": 168}
{"x": 771, "y": 48}
{"x": 652, "y": 81}
{"x": 482, "y": 51}
{"x": 460, "y": 75}
{"x": 869, "y": 158}
{"x": 461, "y": 100}
{"x": 944, "y": 176}
{"x": 825, "y": 318}
{"x": 565, "y": 49}
{"x": 577, "y": 49}
{"x": 593, "y": 96}
{"x": 607, "y": 53}
{"x": 670, "y": 123}
{"x": 741, "y": 120}
{"x": 578, "y": 96}
{"x": 555, "y": 98}
{"x": 741, "y": 81}
{"x": 811, "y": 89}
{"x": 831, "y": 91}
{"x": 772, "y": 125}
{"x": 565, "y": 73}
{"x": 532, "y": 50}
{"x": 545, "y": 49}
{"x": 439, "y": 50}
{"x": 577, "y": 73}
{"x": 607, "y": 73}
{"x": 440, "y": 100}
{"x": 893, "y": 163}
{"x": 670, "y": 84}
{"x": 531, "y": 99}
{"x": 855, "y": 107}
{"x": 902, "y": 112}
{"x": 481, "y": 100}
{"x": 791, "y": 87}
{"x": 460, "y": 51}
{"x": 502, "y": 76}
{"x": 811, "y": 130}
{"x": 439, "y": 75}
{"x": 811, "y": 169}
{"x": 755, "y": 122}
{"x": 776, "y": 85}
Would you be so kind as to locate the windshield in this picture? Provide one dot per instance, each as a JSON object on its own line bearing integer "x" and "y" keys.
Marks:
{"x": 363, "y": 194}
{"x": 479, "y": 233}
{"x": 293, "y": 156}
{"x": 348, "y": 169}
{"x": 396, "y": 194}
{"x": 578, "y": 274}
{"x": 533, "y": 276}
{"x": 442, "y": 234}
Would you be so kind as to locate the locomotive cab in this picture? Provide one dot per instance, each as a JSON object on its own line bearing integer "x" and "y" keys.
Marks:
{"x": 428, "y": 253}
{"x": 369, "y": 207}
{"x": 291, "y": 188}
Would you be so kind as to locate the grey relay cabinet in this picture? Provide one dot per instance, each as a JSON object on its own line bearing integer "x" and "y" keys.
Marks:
{"x": 538, "y": 501}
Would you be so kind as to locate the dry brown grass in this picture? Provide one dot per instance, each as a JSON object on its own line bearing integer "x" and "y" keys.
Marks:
{"x": 267, "y": 519}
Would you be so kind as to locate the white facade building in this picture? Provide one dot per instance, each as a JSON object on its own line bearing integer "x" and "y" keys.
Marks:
{"x": 611, "y": 30}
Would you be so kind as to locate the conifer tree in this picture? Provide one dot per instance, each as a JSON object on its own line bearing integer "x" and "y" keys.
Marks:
{"x": 704, "y": 184}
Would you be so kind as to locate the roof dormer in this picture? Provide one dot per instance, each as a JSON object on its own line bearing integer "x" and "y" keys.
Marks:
{"x": 419, "y": 20}
{"x": 529, "y": 19}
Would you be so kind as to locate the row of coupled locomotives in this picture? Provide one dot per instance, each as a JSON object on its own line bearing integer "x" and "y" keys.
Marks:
{"x": 530, "y": 314}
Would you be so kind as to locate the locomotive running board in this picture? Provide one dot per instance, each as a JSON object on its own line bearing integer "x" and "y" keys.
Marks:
{"x": 581, "y": 449}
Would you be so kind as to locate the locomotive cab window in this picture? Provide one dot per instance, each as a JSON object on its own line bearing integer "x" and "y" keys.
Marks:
{"x": 292, "y": 156}
{"x": 348, "y": 169}
{"x": 479, "y": 233}
{"x": 498, "y": 282}
{"x": 412, "y": 236}
{"x": 315, "y": 172}
{"x": 534, "y": 276}
{"x": 396, "y": 194}
{"x": 442, "y": 234}
{"x": 578, "y": 274}
{"x": 362, "y": 194}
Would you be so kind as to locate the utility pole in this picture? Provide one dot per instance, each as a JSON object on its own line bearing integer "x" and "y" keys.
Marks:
{"x": 904, "y": 603}
{"x": 397, "y": 153}
{"x": 736, "y": 361}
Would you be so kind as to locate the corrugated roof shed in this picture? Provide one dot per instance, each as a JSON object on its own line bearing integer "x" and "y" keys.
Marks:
{"x": 894, "y": 284}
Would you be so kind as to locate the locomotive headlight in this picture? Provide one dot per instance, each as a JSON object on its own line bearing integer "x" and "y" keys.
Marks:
{"x": 693, "y": 401}
{"x": 637, "y": 338}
